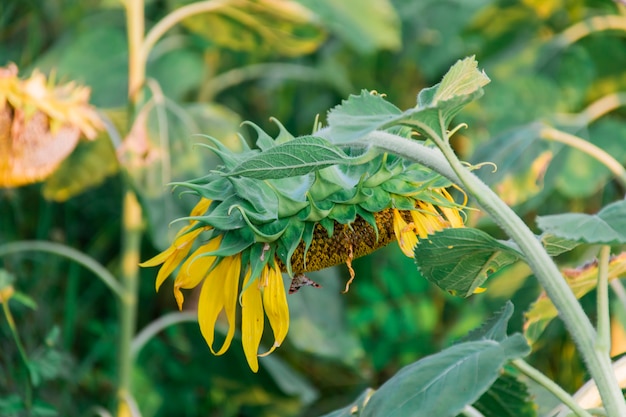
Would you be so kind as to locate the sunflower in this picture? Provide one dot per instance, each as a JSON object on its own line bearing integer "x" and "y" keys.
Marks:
{"x": 259, "y": 229}
{"x": 40, "y": 125}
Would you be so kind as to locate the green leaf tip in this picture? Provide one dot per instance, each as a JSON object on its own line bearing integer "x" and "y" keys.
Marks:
{"x": 462, "y": 79}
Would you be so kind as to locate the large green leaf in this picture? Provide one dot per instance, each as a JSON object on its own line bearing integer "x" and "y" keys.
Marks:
{"x": 607, "y": 227}
{"x": 299, "y": 156}
{"x": 375, "y": 26}
{"x": 459, "y": 374}
{"x": 460, "y": 260}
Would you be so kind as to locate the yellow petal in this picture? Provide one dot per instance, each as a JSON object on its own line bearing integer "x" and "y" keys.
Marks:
{"x": 182, "y": 245}
{"x": 158, "y": 259}
{"x": 194, "y": 269}
{"x": 219, "y": 292}
{"x": 404, "y": 233}
{"x": 275, "y": 303}
{"x": 251, "y": 321}
{"x": 201, "y": 207}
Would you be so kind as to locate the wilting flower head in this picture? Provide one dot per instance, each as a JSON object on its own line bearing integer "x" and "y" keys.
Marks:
{"x": 40, "y": 125}
{"x": 251, "y": 230}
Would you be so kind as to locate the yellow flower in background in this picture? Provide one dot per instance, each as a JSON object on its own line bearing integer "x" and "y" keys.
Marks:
{"x": 40, "y": 125}
{"x": 249, "y": 232}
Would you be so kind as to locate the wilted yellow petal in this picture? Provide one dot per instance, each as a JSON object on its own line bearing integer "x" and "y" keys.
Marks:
{"x": 181, "y": 247}
{"x": 275, "y": 303}
{"x": 194, "y": 269}
{"x": 159, "y": 259}
{"x": 251, "y": 321}
{"x": 404, "y": 233}
{"x": 219, "y": 292}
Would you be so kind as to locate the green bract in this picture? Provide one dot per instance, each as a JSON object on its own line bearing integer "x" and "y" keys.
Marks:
{"x": 294, "y": 191}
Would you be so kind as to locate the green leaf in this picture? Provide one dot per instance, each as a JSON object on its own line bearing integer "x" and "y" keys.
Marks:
{"x": 606, "y": 227}
{"x": 555, "y": 245}
{"x": 375, "y": 26}
{"x": 463, "y": 79}
{"x": 360, "y": 115}
{"x": 459, "y": 374}
{"x": 460, "y": 260}
{"x": 495, "y": 327}
{"x": 299, "y": 156}
{"x": 507, "y": 397}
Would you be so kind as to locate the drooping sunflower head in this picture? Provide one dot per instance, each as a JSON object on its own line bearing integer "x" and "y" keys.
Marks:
{"x": 40, "y": 125}
{"x": 256, "y": 224}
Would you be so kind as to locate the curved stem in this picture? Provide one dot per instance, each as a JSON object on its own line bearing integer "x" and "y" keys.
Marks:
{"x": 175, "y": 17}
{"x": 589, "y": 148}
{"x": 547, "y": 273}
{"x": 67, "y": 252}
{"x": 551, "y": 386}
{"x": 28, "y": 400}
{"x": 158, "y": 325}
{"x": 604, "y": 319}
{"x": 236, "y": 76}
{"x": 588, "y": 26}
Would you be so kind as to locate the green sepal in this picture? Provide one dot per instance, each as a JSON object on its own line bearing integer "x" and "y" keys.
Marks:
{"x": 261, "y": 233}
{"x": 379, "y": 200}
{"x": 329, "y": 225}
{"x": 327, "y": 182}
{"x": 233, "y": 242}
{"x": 283, "y": 134}
{"x": 263, "y": 140}
{"x": 343, "y": 213}
{"x": 289, "y": 241}
{"x": 403, "y": 203}
{"x": 263, "y": 200}
{"x": 257, "y": 258}
{"x": 228, "y": 157}
{"x": 220, "y": 216}
{"x": 212, "y": 190}
{"x": 318, "y": 210}
{"x": 383, "y": 174}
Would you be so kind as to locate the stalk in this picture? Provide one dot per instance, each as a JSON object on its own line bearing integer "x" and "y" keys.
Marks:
{"x": 132, "y": 224}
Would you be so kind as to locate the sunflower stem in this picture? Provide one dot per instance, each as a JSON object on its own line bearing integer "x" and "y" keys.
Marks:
{"x": 577, "y": 323}
{"x": 28, "y": 394}
{"x": 551, "y": 386}
{"x": 603, "y": 343}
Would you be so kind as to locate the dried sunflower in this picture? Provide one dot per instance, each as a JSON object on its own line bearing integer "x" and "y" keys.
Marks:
{"x": 40, "y": 125}
{"x": 257, "y": 223}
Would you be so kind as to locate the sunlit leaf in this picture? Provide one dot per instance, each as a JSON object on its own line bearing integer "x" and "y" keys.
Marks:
{"x": 284, "y": 27}
{"x": 355, "y": 408}
{"x": 435, "y": 105}
{"x": 581, "y": 280}
{"x": 460, "y": 260}
{"x": 555, "y": 245}
{"x": 607, "y": 227}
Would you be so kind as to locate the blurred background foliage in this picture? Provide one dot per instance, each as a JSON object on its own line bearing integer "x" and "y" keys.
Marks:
{"x": 216, "y": 70}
